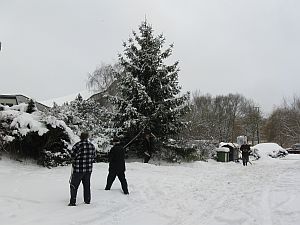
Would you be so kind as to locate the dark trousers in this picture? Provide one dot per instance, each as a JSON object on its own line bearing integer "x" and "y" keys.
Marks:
{"x": 85, "y": 178}
{"x": 147, "y": 157}
{"x": 112, "y": 176}
{"x": 245, "y": 161}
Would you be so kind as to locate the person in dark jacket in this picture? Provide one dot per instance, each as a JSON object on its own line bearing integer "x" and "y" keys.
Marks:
{"x": 116, "y": 158}
{"x": 148, "y": 146}
{"x": 83, "y": 155}
{"x": 245, "y": 149}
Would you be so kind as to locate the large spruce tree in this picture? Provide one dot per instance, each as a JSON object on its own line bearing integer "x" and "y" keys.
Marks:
{"x": 149, "y": 91}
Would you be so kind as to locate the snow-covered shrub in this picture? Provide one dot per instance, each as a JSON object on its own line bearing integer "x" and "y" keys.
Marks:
{"x": 88, "y": 115}
{"x": 35, "y": 135}
{"x": 102, "y": 144}
{"x": 187, "y": 150}
{"x": 55, "y": 147}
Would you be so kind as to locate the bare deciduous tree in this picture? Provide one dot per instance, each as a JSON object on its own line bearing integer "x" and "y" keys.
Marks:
{"x": 283, "y": 125}
{"x": 102, "y": 78}
{"x": 217, "y": 118}
{"x": 251, "y": 121}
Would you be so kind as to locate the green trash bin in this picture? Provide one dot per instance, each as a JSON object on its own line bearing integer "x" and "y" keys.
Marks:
{"x": 223, "y": 154}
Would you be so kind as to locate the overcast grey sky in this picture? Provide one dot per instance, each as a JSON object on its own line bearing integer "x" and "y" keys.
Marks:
{"x": 251, "y": 47}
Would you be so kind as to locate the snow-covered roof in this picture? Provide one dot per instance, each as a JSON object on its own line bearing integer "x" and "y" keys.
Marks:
{"x": 18, "y": 99}
{"x": 234, "y": 145}
{"x": 223, "y": 149}
{"x": 68, "y": 98}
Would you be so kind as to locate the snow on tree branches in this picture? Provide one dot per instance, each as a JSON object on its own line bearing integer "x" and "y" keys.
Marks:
{"x": 149, "y": 90}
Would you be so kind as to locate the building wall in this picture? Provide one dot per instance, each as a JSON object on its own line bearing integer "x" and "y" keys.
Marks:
{"x": 11, "y": 100}
{"x": 24, "y": 99}
{"x": 8, "y": 100}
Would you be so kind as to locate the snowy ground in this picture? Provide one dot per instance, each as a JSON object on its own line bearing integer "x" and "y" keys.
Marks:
{"x": 205, "y": 193}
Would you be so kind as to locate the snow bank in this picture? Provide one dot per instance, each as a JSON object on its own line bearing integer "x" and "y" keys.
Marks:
{"x": 184, "y": 194}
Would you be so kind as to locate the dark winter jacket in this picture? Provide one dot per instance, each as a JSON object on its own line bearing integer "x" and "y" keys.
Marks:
{"x": 245, "y": 150}
{"x": 83, "y": 155}
{"x": 116, "y": 158}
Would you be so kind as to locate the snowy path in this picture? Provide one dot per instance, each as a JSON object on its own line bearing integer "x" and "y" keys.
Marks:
{"x": 268, "y": 192}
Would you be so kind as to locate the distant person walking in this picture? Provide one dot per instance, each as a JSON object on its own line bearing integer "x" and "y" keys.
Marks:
{"x": 245, "y": 149}
{"x": 116, "y": 158}
{"x": 83, "y": 155}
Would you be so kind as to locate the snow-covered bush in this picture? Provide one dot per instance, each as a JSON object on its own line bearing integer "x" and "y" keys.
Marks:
{"x": 187, "y": 150}
{"x": 88, "y": 115}
{"x": 35, "y": 135}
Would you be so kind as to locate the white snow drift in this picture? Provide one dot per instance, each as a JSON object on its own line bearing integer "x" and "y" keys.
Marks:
{"x": 205, "y": 193}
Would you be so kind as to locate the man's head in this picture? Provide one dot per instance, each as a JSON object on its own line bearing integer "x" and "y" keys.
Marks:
{"x": 84, "y": 135}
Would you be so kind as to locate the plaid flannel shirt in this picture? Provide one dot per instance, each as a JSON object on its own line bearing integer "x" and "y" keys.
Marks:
{"x": 83, "y": 154}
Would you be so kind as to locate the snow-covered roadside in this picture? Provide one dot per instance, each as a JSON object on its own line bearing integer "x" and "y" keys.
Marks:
{"x": 212, "y": 193}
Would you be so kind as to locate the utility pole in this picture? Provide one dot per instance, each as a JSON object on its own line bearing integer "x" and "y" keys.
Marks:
{"x": 257, "y": 124}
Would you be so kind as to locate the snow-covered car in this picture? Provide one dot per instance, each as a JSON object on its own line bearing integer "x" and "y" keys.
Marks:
{"x": 266, "y": 150}
{"x": 295, "y": 149}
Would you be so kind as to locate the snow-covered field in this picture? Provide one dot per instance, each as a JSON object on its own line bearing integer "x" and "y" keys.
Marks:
{"x": 205, "y": 193}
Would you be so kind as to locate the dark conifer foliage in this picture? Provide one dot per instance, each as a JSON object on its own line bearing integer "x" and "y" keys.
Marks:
{"x": 149, "y": 87}
{"x": 31, "y": 106}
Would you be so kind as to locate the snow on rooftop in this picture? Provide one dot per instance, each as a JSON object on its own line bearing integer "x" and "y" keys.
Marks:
{"x": 222, "y": 149}
{"x": 234, "y": 145}
{"x": 68, "y": 98}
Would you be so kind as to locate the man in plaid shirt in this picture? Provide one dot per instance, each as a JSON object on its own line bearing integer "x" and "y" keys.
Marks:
{"x": 83, "y": 155}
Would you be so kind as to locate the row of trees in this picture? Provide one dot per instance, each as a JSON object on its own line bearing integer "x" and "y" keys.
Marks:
{"x": 283, "y": 125}
{"x": 222, "y": 118}
{"x": 225, "y": 117}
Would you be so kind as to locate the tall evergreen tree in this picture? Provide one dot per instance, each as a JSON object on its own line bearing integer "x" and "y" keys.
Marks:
{"x": 149, "y": 90}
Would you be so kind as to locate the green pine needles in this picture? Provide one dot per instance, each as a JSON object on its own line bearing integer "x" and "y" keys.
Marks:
{"x": 149, "y": 91}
